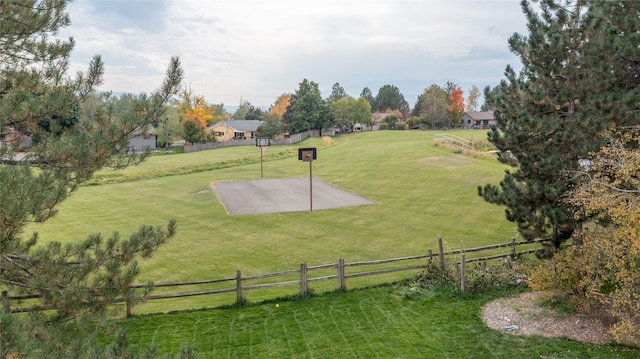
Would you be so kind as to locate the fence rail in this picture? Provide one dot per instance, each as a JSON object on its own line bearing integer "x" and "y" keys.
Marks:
{"x": 303, "y": 277}
{"x": 454, "y": 140}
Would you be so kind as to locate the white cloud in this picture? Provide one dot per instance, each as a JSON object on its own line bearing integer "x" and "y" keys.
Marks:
{"x": 258, "y": 50}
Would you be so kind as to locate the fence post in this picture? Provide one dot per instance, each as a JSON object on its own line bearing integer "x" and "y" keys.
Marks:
{"x": 513, "y": 247}
{"x": 341, "y": 280}
{"x": 303, "y": 279}
{"x": 5, "y": 301}
{"x": 239, "y": 298}
{"x": 429, "y": 256}
{"x": 463, "y": 285}
{"x": 128, "y": 303}
{"x": 441, "y": 251}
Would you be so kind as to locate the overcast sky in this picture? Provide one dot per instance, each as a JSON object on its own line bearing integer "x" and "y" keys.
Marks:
{"x": 256, "y": 50}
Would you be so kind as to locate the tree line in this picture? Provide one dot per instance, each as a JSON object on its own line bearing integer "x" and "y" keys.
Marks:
{"x": 305, "y": 109}
{"x": 187, "y": 114}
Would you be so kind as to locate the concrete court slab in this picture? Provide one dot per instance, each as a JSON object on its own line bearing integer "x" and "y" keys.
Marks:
{"x": 282, "y": 195}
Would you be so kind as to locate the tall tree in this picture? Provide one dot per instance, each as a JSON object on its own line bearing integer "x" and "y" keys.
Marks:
{"x": 347, "y": 112}
{"x": 281, "y": 104}
{"x": 337, "y": 92}
{"x": 271, "y": 126}
{"x": 37, "y": 98}
{"x": 390, "y": 98}
{"x": 448, "y": 88}
{"x": 456, "y": 106}
{"x": 472, "y": 99}
{"x": 193, "y": 129}
{"x": 368, "y": 95}
{"x": 194, "y": 107}
{"x": 169, "y": 129}
{"x": 308, "y": 110}
{"x": 576, "y": 81}
{"x": 433, "y": 108}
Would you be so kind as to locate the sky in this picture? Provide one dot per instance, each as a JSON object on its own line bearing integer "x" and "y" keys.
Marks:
{"x": 257, "y": 50}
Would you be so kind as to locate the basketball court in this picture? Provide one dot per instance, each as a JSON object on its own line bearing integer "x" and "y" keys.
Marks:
{"x": 283, "y": 195}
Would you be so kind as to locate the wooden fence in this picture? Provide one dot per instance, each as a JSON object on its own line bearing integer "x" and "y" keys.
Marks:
{"x": 303, "y": 275}
{"x": 298, "y": 137}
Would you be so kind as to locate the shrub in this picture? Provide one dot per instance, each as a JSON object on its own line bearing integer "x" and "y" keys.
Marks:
{"x": 504, "y": 274}
{"x": 479, "y": 278}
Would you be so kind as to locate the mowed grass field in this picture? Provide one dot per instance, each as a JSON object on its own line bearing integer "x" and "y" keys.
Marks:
{"x": 363, "y": 323}
{"x": 422, "y": 191}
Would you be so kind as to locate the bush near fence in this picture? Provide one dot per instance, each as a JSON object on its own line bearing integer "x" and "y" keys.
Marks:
{"x": 340, "y": 271}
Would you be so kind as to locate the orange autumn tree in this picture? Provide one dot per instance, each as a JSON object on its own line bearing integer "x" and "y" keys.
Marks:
{"x": 195, "y": 114}
{"x": 196, "y": 109}
{"x": 456, "y": 106}
{"x": 280, "y": 106}
{"x": 605, "y": 268}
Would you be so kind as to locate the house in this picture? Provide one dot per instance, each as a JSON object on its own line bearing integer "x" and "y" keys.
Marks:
{"x": 234, "y": 130}
{"x": 479, "y": 119}
{"x": 143, "y": 140}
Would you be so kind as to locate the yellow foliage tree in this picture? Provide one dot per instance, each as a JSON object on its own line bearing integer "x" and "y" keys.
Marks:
{"x": 605, "y": 268}
{"x": 280, "y": 106}
{"x": 193, "y": 107}
{"x": 200, "y": 115}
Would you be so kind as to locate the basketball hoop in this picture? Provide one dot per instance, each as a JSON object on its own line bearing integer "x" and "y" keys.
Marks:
{"x": 262, "y": 142}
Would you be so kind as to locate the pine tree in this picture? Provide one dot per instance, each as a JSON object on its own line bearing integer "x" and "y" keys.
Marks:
{"x": 337, "y": 92}
{"x": 38, "y": 100}
{"x": 368, "y": 95}
{"x": 308, "y": 110}
{"x": 390, "y": 98}
{"x": 554, "y": 112}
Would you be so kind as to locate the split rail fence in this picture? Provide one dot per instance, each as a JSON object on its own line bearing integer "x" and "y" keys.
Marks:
{"x": 302, "y": 276}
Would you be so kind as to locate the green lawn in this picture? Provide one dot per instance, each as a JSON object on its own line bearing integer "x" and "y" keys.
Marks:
{"x": 421, "y": 192}
{"x": 365, "y": 323}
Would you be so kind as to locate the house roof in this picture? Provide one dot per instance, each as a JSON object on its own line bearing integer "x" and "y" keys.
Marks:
{"x": 150, "y": 130}
{"x": 480, "y": 115}
{"x": 238, "y": 126}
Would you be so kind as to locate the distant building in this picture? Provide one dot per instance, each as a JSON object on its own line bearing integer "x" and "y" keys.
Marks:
{"x": 234, "y": 130}
{"x": 143, "y": 140}
{"x": 479, "y": 119}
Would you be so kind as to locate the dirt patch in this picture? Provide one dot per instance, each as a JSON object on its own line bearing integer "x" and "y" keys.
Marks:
{"x": 523, "y": 315}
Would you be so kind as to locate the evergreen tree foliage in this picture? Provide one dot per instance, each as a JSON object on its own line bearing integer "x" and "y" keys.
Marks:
{"x": 337, "y": 92}
{"x": 308, "y": 110}
{"x": 247, "y": 112}
{"x": 577, "y": 81}
{"x": 390, "y": 98}
{"x": 77, "y": 281}
{"x": 368, "y": 95}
